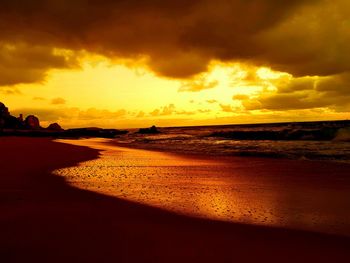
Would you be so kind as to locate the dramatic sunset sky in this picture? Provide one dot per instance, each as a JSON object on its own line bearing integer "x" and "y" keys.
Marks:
{"x": 133, "y": 63}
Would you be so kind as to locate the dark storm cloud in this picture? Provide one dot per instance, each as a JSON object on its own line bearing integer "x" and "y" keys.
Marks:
{"x": 338, "y": 84}
{"x": 314, "y": 40}
{"x": 179, "y": 37}
{"x": 23, "y": 63}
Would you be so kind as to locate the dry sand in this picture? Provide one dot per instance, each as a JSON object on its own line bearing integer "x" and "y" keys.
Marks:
{"x": 43, "y": 219}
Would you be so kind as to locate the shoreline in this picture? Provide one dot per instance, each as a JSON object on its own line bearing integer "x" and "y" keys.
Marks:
{"x": 245, "y": 188}
{"x": 43, "y": 219}
{"x": 149, "y": 147}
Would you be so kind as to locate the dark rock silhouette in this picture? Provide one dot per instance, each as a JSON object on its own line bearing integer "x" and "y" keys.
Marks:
{"x": 152, "y": 130}
{"x": 10, "y": 125}
{"x": 8, "y": 121}
{"x": 20, "y": 118}
{"x": 32, "y": 123}
{"x": 54, "y": 127}
{"x": 3, "y": 114}
{"x": 3, "y": 110}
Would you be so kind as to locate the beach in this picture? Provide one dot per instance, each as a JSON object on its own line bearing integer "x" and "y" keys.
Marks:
{"x": 49, "y": 213}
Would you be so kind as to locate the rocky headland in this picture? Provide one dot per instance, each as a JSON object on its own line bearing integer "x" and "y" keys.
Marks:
{"x": 30, "y": 126}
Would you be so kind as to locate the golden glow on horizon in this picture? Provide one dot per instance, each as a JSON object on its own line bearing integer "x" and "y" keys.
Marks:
{"x": 102, "y": 93}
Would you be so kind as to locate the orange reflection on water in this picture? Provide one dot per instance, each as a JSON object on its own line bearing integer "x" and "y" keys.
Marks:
{"x": 206, "y": 187}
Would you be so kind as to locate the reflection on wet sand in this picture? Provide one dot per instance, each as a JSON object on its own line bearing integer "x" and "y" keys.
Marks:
{"x": 271, "y": 192}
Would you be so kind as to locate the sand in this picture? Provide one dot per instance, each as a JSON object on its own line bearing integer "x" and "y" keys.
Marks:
{"x": 294, "y": 194}
{"x": 45, "y": 219}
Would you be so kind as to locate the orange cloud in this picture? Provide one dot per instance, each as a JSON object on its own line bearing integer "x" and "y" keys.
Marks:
{"x": 304, "y": 93}
{"x": 198, "y": 85}
{"x": 240, "y": 97}
{"x": 58, "y": 101}
{"x": 39, "y": 98}
{"x": 227, "y": 108}
{"x": 164, "y": 111}
{"x": 141, "y": 114}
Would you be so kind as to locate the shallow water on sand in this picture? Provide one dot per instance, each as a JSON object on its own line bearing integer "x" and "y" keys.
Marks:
{"x": 237, "y": 189}
{"x": 220, "y": 140}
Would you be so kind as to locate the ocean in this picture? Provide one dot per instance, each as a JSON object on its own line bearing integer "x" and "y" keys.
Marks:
{"x": 304, "y": 140}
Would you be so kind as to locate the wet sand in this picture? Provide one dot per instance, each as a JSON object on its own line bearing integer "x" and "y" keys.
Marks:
{"x": 305, "y": 195}
{"x": 45, "y": 219}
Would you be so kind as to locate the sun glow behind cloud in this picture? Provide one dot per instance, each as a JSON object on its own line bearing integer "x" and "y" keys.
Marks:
{"x": 107, "y": 93}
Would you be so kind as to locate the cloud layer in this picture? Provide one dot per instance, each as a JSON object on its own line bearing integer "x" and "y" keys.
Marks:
{"x": 308, "y": 39}
{"x": 24, "y": 63}
{"x": 332, "y": 92}
{"x": 179, "y": 38}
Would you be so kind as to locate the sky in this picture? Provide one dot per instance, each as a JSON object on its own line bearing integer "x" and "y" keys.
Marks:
{"x": 135, "y": 63}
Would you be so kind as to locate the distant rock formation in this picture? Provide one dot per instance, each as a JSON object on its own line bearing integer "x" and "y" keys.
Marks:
{"x": 54, "y": 127}
{"x": 4, "y": 111}
{"x": 32, "y": 123}
{"x": 20, "y": 118}
{"x": 152, "y": 130}
{"x": 30, "y": 126}
{"x": 7, "y": 121}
